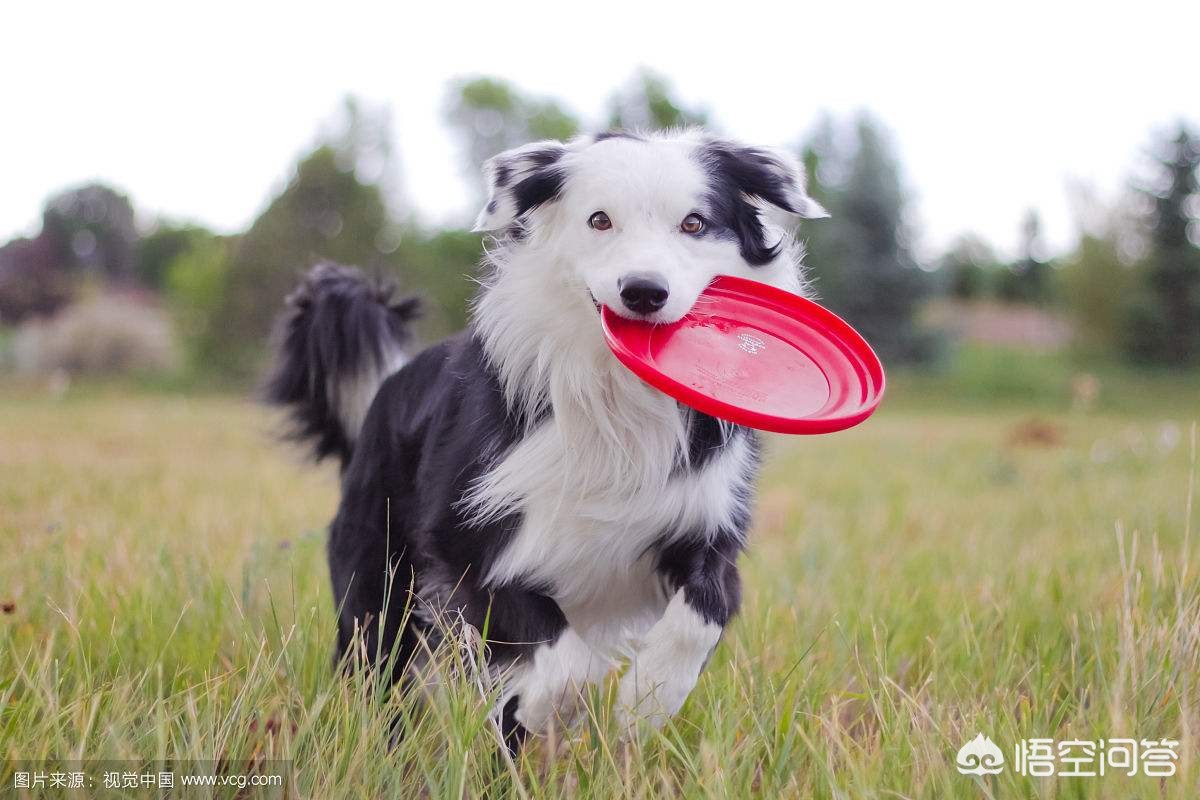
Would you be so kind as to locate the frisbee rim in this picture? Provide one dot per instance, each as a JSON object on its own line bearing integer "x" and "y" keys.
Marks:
{"x": 860, "y": 359}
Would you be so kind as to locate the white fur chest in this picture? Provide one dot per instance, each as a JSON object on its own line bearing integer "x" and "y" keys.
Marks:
{"x": 598, "y": 483}
{"x": 587, "y": 536}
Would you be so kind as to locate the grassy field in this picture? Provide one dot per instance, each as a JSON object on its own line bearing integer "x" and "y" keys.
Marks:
{"x": 954, "y": 566}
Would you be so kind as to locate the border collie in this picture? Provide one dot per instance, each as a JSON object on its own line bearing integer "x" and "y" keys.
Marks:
{"x": 515, "y": 475}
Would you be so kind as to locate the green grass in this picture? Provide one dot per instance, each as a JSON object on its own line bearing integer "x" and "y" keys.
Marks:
{"x": 948, "y": 568}
{"x": 981, "y": 377}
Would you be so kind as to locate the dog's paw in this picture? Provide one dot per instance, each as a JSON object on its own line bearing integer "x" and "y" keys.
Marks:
{"x": 644, "y": 697}
{"x": 550, "y": 685}
{"x": 538, "y": 708}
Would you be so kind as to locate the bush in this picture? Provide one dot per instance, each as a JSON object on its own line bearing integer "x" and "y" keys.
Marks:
{"x": 195, "y": 283}
{"x": 159, "y": 248}
{"x": 441, "y": 269}
{"x": 104, "y": 335}
{"x": 32, "y": 282}
{"x": 1096, "y": 284}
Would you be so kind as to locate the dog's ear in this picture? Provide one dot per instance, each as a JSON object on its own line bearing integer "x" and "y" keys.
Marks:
{"x": 519, "y": 181}
{"x": 765, "y": 174}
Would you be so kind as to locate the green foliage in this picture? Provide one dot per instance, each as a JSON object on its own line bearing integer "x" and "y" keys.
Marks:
{"x": 325, "y": 212}
{"x": 88, "y": 236}
{"x": 363, "y": 142}
{"x": 341, "y": 204}
{"x": 1095, "y": 283}
{"x": 647, "y": 103}
{"x": 860, "y": 258}
{"x": 1024, "y": 282}
{"x": 160, "y": 247}
{"x": 1029, "y": 279}
{"x": 92, "y": 230}
{"x": 987, "y": 378}
{"x": 225, "y": 293}
{"x": 967, "y": 268}
{"x": 1163, "y": 316}
{"x": 195, "y": 284}
{"x": 489, "y": 115}
{"x": 442, "y": 268}
{"x": 968, "y": 280}
{"x": 549, "y": 120}
{"x": 971, "y": 270}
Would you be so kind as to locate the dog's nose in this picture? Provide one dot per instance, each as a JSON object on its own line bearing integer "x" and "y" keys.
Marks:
{"x": 643, "y": 293}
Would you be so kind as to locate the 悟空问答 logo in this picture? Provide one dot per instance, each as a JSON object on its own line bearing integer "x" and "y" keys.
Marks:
{"x": 980, "y": 756}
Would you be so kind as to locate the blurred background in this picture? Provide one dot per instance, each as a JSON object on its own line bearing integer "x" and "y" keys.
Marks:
{"x": 1014, "y": 197}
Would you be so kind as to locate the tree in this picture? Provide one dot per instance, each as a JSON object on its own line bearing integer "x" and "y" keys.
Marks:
{"x": 1163, "y": 317}
{"x": 968, "y": 267}
{"x": 862, "y": 260}
{"x": 490, "y": 115}
{"x": 160, "y": 246}
{"x": 92, "y": 231}
{"x": 195, "y": 283}
{"x": 646, "y": 104}
{"x": 32, "y": 284}
{"x": 363, "y": 141}
{"x": 1096, "y": 281}
{"x": 825, "y": 156}
{"x": 1027, "y": 280}
{"x": 88, "y": 233}
{"x": 440, "y": 268}
{"x": 324, "y": 212}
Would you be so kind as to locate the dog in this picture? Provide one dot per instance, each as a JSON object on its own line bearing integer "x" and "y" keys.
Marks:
{"x": 516, "y": 476}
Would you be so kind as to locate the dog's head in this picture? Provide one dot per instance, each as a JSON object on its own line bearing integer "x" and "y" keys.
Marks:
{"x": 643, "y": 223}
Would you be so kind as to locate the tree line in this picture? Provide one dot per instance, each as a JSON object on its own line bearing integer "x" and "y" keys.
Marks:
{"x": 1132, "y": 285}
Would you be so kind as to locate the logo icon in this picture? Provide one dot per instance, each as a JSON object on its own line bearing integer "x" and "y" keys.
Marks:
{"x": 751, "y": 344}
{"x": 980, "y": 756}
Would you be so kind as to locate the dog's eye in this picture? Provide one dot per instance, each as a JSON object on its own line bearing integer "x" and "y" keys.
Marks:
{"x": 692, "y": 223}
{"x": 599, "y": 221}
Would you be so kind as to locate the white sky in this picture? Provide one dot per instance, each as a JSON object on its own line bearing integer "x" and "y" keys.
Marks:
{"x": 198, "y": 111}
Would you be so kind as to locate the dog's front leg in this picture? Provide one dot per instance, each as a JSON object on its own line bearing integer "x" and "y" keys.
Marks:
{"x": 665, "y": 669}
{"x": 543, "y": 660}
{"x": 546, "y": 686}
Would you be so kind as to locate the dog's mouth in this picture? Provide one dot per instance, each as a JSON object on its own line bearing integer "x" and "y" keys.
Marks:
{"x": 600, "y": 310}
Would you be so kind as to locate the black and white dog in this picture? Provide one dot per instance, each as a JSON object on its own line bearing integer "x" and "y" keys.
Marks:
{"x": 516, "y": 475}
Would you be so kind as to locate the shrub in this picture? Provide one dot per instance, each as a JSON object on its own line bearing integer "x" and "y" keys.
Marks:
{"x": 195, "y": 285}
{"x": 103, "y": 335}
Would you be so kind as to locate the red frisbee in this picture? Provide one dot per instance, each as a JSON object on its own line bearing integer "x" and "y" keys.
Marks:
{"x": 756, "y": 355}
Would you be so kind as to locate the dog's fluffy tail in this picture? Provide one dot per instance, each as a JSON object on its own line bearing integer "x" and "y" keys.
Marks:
{"x": 341, "y": 335}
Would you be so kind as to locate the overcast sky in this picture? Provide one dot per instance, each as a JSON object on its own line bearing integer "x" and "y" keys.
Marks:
{"x": 198, "y": 110}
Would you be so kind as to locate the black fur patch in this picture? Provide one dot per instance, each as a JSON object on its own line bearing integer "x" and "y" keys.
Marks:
{"x": 537, "y": 189}
{"x": 514, "y": 733}
{"x": 436, "y": 426}
{"x": 737, "y": 174}
{"x": 545, "y": 157}
{"x": 706, "y": 571}
{"x": 501, "y": 172}
{"x": 706, "y": 437}
{"x": 542, "y": 181}
{"x": 705, "y": 567}
{"x": 338, "y": 323}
